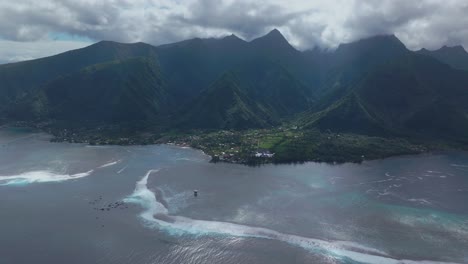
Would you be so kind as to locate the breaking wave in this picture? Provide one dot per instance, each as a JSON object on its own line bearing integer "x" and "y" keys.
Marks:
{"x": 156, "y": 215}
{"x": 40, "y": 177}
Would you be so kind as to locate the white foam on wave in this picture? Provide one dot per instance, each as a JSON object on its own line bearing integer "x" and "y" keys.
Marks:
{"x": 98, "y": 146}
{"x": 109, "y": 164}
{"x": 459, "y": 165}
{"x": 420, "y": 201}
{"x": 156, "y": 214}
{"x": 40, "y": 177}
{"x": 188, "y": 159}
{"x": 143, "y": 196}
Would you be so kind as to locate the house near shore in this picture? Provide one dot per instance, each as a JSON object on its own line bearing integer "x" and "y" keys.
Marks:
{"x": 264, "y": 154}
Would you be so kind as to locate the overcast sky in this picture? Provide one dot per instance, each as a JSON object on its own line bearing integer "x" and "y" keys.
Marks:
{"x": 36, "y": 28}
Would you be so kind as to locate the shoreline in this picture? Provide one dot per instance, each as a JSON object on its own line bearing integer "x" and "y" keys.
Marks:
{"x": 214, "y": 159}
{"x": 292, "y": 147}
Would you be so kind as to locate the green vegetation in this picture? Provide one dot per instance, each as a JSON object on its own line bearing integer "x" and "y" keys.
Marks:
{"x": 18, "y": 79}
{"x": 243, "y": 101}
{"x": 286, "y": 144}
{"x": 412, "y": 95}
{"x": 224, "y": 106}
{"x": 120, "y": 90}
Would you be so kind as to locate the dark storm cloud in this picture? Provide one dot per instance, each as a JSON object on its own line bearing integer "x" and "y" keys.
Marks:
{"x": 384, "y": 17}
{"x": 248, "y": 18}
{"x": 421, "y": 23}
{"x": 23, "y": 25}
{"x": 33, "y": 20}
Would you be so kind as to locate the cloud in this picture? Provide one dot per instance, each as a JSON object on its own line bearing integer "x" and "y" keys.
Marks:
{"x": 247, "y": 18}
{"x": 306, "y": 24}
{"x": 426, "y": 23}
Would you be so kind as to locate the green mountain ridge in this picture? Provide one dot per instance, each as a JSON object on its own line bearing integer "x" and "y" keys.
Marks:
{"x": 353, "y": 61}
{"x": 18, "y": 79}
{"x": 456, "y": 56}
{"x": 225, "y": 106}
{"x": 120, "y": 90}
{"x": 273, "y": 86}
{"x": 403, "y": 96}
{"x": 374, "y": 86}
{"x": 190, "y": 66}
{"x": 347, "y": 115}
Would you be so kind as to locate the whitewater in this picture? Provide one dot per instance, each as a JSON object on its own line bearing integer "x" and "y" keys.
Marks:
{"x": 156, "y": 215}
{"x": 43, "y": 176}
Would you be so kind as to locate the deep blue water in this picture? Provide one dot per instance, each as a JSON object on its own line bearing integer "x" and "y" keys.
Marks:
{"x": 72, "y": 203}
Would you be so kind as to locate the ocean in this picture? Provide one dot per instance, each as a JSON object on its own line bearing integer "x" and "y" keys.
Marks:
{"x": 74, "y": 203}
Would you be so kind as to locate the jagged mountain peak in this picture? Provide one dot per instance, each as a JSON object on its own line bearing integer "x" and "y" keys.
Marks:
{"x": 379, "y": 41}
{"x": 455, "y": 56}
{"x": 273, "y": 35}
{"x": 233, "y": 37}
{"x": 273, "y": 40}
{"x": 457, "y": 48}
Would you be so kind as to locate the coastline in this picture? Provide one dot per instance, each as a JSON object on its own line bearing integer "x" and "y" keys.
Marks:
{"x": 285, "y": 146}
{"x": 238, "y": 153}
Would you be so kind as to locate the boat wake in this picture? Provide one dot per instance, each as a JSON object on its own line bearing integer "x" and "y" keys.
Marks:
{"x": 156, "y": 215}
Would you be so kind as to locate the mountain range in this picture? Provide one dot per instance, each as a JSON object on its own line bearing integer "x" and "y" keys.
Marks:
{"x": 374, "y": 86}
